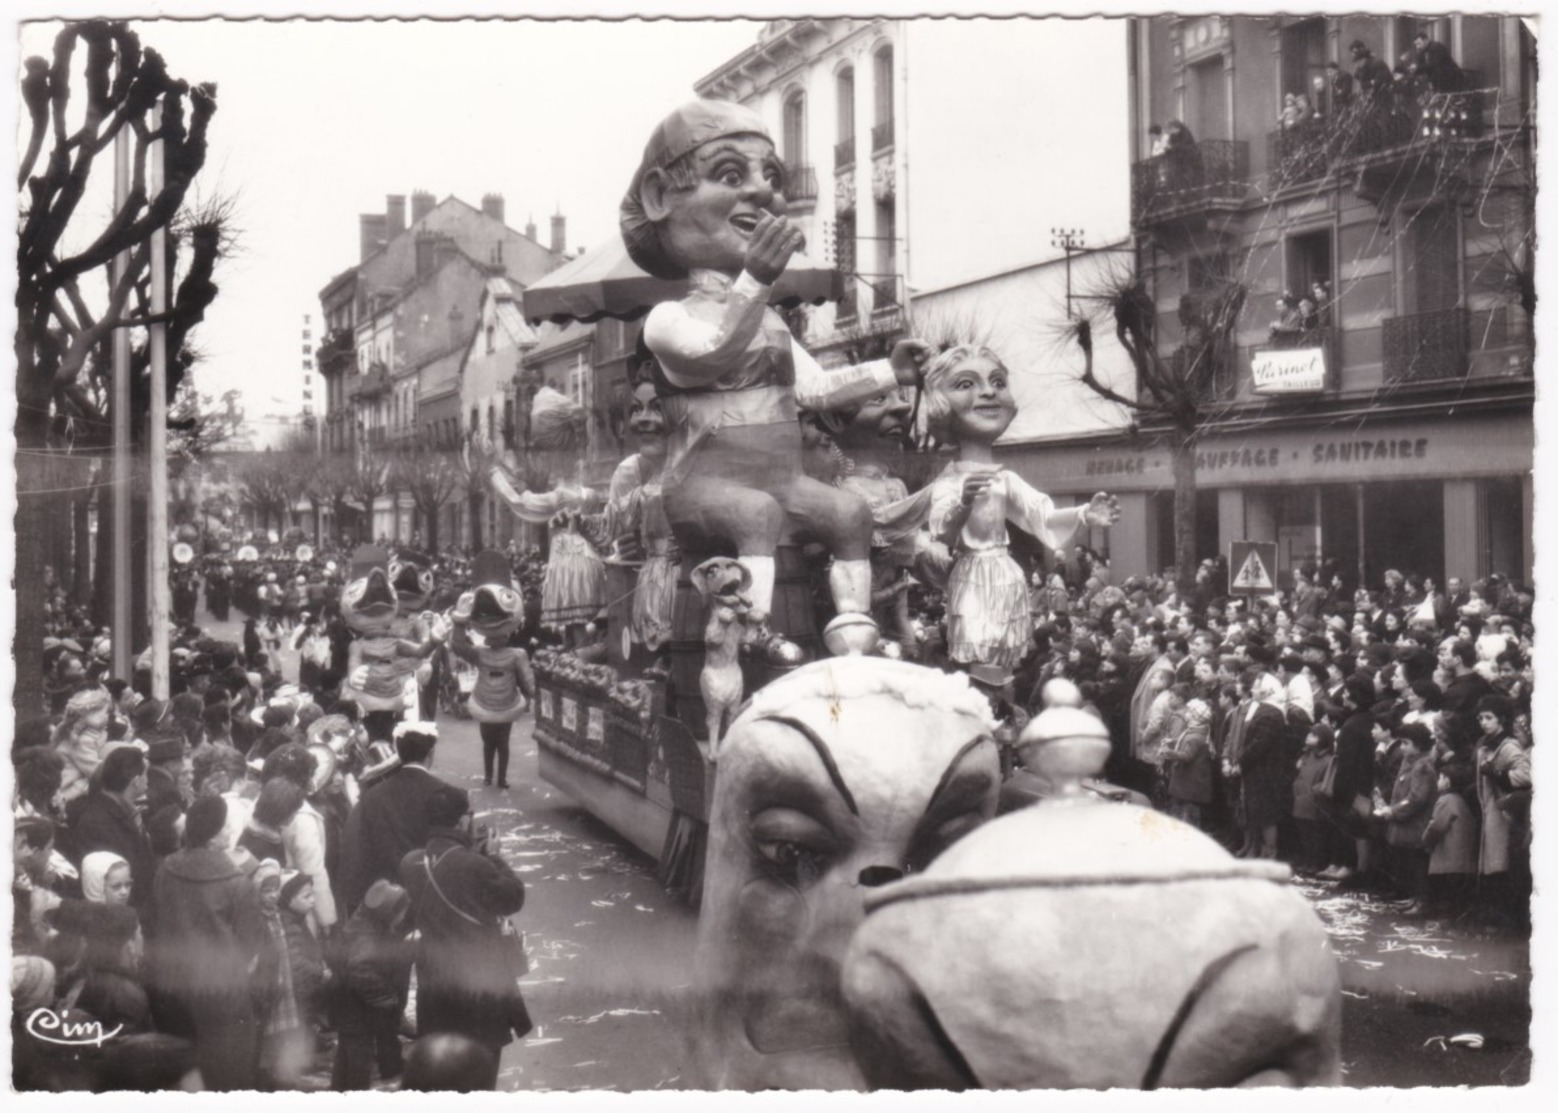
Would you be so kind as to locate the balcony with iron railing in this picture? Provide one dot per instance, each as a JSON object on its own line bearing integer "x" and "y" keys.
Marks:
{"x": 800, "y": 184}
{"x": 370, "y": 385}
{"x": 1425, "y": 347}
{"x": 844, "y": 153}
{"x": 881, "y": 136}
{"x": 1190, "y": 181}
{"x": 1390, "y": 143}
{"x": 1299, "y": 153}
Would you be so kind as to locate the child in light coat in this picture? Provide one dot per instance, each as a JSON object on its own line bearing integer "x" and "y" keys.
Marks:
{"x": 1451, "y": 839}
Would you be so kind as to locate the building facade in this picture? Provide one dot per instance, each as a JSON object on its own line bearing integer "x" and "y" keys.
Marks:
{"x": 1388, "y": 422}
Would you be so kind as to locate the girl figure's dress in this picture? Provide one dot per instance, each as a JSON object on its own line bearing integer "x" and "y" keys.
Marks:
{"x": 574, "y": 590}
{"x": 635, "y": 504}
{"x": 989, "y": 618}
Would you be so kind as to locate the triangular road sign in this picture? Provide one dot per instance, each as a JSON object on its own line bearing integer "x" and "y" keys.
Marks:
{"x": 1252, "y": 574}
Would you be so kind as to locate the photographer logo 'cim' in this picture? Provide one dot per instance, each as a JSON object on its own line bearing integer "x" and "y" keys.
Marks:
{"x": 50, "y": 1027}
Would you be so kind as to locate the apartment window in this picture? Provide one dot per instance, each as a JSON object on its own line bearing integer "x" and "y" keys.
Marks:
{"x": 475, "y": 420}
{"x": 1303, "y": 55}
{"x": 492, "y": 424}
{"x": 886, "y": 238}
{"x": 794, "y": 150}
{"x": 508, "y": 423}
{"x": 844, "y": 244}
{"x": 1430, "y": 264}
{"x": 882, "y": 90}
{"x": 1206, "y": 98}
{"x": 491, "y": 339}
{"x": 844, "y": 149}
{"x": 1309, "y": 260}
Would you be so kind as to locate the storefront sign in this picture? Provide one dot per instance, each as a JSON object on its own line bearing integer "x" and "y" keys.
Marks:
{"x": 1288, "y": 370}
{"x": 1116, "y": 465}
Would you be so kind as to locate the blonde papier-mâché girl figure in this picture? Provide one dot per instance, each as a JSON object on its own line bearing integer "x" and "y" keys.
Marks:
{"x": 969, "y": 404}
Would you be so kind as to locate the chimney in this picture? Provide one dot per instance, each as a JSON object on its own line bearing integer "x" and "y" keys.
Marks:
{"x": 559, "y": 233}
{"x": 492, "y": 205}
{"x": 395, "y": 208}
{"x": 530, "y": 228}
{"x": 421, "y": 204}
{"x": 372, "y": 227}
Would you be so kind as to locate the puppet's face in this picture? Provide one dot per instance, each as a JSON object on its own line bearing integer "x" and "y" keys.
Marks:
{"x": 736, "y": 180}
{"x": 645, "y": 417}
{"x": 369, "y": 605}
{"x": 721, "y": 579}
{"x": 1033, "y": 955}
{"x": 412, "y": 580}
{"x": 980, "y": 400}
{"x": 817, "y": 801}
{"x": 496, "y": 611}
{"x": 881, "y": 422}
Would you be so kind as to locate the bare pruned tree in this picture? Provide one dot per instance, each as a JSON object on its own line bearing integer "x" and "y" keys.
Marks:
{"x": 69, "y": 299}
{"x": 1177, "y": 392}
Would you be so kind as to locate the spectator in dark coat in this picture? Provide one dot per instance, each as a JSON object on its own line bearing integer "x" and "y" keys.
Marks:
{"x": 1435, "y": 64}
{"x": 462, "y": 894}
{"x": 1372, "y": 76}
{"x": 208, "y": 932}
{"x": 1263, "y": 765}
{"x": 373, "y": 983}
{"x": 1459, "y": 704}
{"x": 1410, "y": 809}
{"x": 108, "y": 818}
{"x": 390, "y": 820}
{"x": 1354, "y": 774}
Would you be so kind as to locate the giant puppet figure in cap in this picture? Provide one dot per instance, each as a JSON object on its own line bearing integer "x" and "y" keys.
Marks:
{"x": 504, "y": 684}
{"x": 379, "y": 661}
{"x": 707, "y": 204}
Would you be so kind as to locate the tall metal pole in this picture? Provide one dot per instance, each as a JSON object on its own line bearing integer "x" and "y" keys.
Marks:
{"x": 157, "y": 509}
{"x": 122, "y": 615}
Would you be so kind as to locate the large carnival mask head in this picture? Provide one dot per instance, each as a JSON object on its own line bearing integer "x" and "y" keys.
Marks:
{"x": 1076, "y": 944}
{"x": 875, "y": 425}
{"x": 709, "y": 172}
{"x": 838, "y": 777}
{"x": 368, "y": 602}
{"x": 968, "y": 396}
{"x": 493, "y": 607}
{"x": 411, "y": 575}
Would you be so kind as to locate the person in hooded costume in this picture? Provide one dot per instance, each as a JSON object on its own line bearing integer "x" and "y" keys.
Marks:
{"x": 504, "y": 683}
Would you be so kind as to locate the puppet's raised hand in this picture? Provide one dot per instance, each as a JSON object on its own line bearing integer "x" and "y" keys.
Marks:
{"x": 773, "y": 241}
{"x": 1102, "y": 510}
{"x": 908, "y": 360}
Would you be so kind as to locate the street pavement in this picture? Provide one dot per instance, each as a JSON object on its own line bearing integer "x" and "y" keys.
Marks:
{"x": 611, "y": 956}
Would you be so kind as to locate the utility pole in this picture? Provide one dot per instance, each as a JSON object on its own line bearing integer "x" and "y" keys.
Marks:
{"x": 122, "y": 651}
{"x": 157, "y": 441}
{"x": 1070, "y": 240}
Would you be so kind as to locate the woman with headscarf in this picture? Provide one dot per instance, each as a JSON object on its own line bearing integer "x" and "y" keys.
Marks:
{"x": 1263, "y": 764}
{"x": 106, "y": 878}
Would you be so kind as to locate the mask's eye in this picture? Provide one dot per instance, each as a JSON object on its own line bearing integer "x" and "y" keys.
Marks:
{"x": 394, "y": 570}
{"x": 791, "y": 846}
{"x": 508, "y": 600}
{"x": 354, "y": 591}
{"x": 426, "y": 580}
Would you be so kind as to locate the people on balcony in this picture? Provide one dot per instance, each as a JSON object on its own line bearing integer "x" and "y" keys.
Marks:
{"x": 1288, "y": 328}
{"x": 1338, "y": 91}
{"x": 1296, "y": 111}
{"x": 1320, "y": 294}
{"x": 1436, "y": 65}
{"x": 1181, "y": 157}
{"x": 1371, "y": 75}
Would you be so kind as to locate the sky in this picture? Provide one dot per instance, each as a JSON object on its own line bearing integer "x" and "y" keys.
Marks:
{"x": 318, "y": 120}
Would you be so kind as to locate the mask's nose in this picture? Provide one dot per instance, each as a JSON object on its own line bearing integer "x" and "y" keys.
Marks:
{"x": 873, "y": 876}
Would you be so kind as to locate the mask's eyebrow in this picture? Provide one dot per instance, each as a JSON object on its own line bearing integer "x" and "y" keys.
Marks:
{"x": 823, "y": 753}
{"x": 952, "y": 766}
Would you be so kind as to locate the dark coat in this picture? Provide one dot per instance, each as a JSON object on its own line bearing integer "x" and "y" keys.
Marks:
{"x": 1354, "y": 758}
{"x": 374, "y": 972}
{"x": 465, "y": 969}
{"x": 306, "y": 957}
{"x": 1263, "y": 767}
{"x": 1412, "y": 801}
{"x": 208, "y": 924}
{"x": 1459, "y": 709}
{"x": 1311, "y": 767}
{"x": 104, "y": 822}
{"x": 1435, "y": 63}
{"x": 388, "y": 823}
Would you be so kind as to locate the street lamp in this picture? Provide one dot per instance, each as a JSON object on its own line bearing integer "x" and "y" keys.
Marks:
{"x": 1069, "y": 240}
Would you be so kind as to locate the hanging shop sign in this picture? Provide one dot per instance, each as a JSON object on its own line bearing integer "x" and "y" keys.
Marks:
{"x": 1288, "y": 370}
